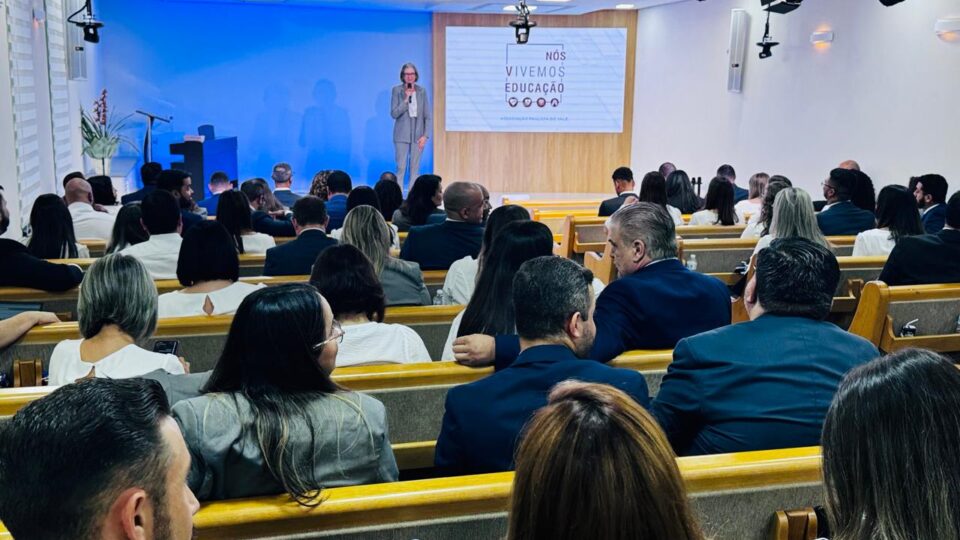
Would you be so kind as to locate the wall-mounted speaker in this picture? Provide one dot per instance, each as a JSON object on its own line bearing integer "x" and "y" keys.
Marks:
{"x": 739, "y": 30}
{"x": 76, "y": 47}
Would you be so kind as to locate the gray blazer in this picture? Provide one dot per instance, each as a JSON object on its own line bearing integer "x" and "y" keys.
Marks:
{"x": 403, "y": 283}
{"x": 404, "y": 125}
{"x": 350, "y": 444}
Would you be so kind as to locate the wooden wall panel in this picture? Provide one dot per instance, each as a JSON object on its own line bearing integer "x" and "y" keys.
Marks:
{"x": 532, "y": 162}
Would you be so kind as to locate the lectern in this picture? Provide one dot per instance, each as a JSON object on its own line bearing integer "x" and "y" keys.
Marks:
{"x": 203, "y": 159}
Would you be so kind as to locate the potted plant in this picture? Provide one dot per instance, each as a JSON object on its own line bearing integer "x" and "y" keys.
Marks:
{"x": 102, "y": 134}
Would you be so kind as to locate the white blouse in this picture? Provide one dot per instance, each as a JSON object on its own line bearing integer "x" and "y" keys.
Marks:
{"x": 461, "y": 280}
{"x": 676, "y": 214}
{"x": 257, "y": 243}
{"x": 83, "y": 252}
{"x": 370, "y": 342}
{"x": 747, "y": 207}
{"x": 225, "y": 301}
{"x": 131, "y": 361}
{"x": 873, "y": 243}
{"x": 709, "y": 217}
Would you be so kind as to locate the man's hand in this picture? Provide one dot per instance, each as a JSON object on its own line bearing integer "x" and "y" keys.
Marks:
{"x": 44, "y": 317}
{"x": 421, "y": 142}
{"x": 184, "y": 363}
{"x": 476, "y": 350}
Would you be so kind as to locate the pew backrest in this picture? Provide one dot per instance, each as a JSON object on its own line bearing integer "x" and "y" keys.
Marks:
{"x": 884, "y": 310}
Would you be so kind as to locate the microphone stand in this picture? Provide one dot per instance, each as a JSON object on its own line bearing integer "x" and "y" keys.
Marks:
{"x": 148, "y": 138}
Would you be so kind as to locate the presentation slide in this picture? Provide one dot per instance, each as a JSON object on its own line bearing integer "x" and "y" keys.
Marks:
{"x": 568, "y": 80}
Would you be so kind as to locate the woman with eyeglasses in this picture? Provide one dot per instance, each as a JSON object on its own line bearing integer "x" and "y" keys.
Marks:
{"x": 271, "y": 420}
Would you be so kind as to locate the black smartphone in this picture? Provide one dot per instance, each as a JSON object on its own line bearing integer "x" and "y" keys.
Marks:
{"x": 167, "y": 347}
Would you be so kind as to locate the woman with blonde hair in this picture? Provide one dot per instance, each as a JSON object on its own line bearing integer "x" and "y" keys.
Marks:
{"x": 753, "y": 204}
{"x": 793, "y": 216}
{"x": 365, "y": 229}
{"x": 594, "y": 439}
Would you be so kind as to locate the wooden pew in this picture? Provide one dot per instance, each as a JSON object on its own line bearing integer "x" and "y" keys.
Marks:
{"x": 794, "y": 525}
{"x": 557, "y": 205}
{"x": 98, "y": 247}
{"x": 732, "y": 494}
{"x": 883, "y": 310}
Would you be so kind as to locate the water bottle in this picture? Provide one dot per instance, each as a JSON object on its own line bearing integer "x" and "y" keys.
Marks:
{"x": 440, "y": 299}
{"x": 909, "y": 329}
{"x": 692, "y": 262}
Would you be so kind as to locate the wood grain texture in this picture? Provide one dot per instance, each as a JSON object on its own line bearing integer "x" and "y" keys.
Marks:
{"x": 532, "y": 162}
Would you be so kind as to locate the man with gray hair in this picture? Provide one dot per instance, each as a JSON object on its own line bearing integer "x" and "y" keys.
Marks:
{"x": 437, "y": 246}
{"x": 283, "y": 180}
{"x": 554, "y": 317}
{"x": 655, "y": 303}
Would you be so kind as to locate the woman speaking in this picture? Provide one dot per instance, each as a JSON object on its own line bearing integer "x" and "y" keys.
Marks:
{"x": 412, "y": 121}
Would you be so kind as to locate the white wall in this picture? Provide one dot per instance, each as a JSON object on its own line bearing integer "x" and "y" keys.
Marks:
{"x": 886, "y": 92}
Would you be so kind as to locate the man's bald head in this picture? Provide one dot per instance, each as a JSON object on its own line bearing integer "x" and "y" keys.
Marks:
{"x": 850, "y": 165}
{"x": 78, "y": 190}
{"x": 463, "y": 201}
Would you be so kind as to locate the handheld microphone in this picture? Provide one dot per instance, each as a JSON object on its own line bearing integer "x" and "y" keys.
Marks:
{"x": 409, "y": 87}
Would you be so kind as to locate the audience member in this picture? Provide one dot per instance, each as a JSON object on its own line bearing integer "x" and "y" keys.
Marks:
{"x": 437, "y": 246}
{"x": 889, "y": 450}
{"x": 21, "y": 269}
{"x": 863, "y": 196}
{"x": 592, "y": 438}
{"x": 390, "y": 196}
{"x": 51, "y": 229}
{"x": 296, "y": 258}
{"x": 270, "y": 203}
{"x": 13, "y": 328}
{"x": 897, "y": 218}
{"x": 840, "y": 216}
{"x": 318, "y": 186}
{"x": 402, "y": 281}
{"x": 849, "y": 165}
{"x": 759, "y": 223}
{"x": 493, "y": 314}
{"x": 219, "y": 183}
{"x": 736, "y": 389}
{"x": 149, "y": 175}
{"x": 680, "y": 193}
{"x": 754, "y": 202}
{"x": 554, "y": 318}
{"x": 422, "y": 204}
{"x": 70, "y": 176}
{"x": 461, "y": 278}
{"x": 347, "y": 280}
{"x": 927, "y": 258}
{"x": 263, "y": 222}
{"x": 931, "y": 194}
{"x": 87, "y": 222}
{"x": 283, "y": 180}
{"x": 666, "y": 169}
{"x": 161, "y": 217}
{"x": 655, "y": 303}
{"x": 719, "y": 207}
{"x": 101, "y": 459}
{"x": 360, "y": 196}
{"x": 128, "y": 229}
{"x": 117, "y": 308}
{"x": 653, "y": 189}
{"x": 209, "y": 270}
{"x": 104, "y": 194}
{"x": 624, "y": 186}
{"x": 739, "y": 194}
{"x": 793, "y": 217}
{"x": 389, "y": 177}
{"x": 339, "y": 186}
{"x": 233, "y": 212}
{"x": 271, "y": 420}
{"x": 180, "y": 185}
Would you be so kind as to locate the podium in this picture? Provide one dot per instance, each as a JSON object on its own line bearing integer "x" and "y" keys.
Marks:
{"x": 203, "y": 159}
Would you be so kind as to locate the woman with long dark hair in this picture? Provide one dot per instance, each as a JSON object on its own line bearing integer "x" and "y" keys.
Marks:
{"x": 128, "y": 228}
{"x": 422, "y": 203}
{"x": 718, "y": 210}
{"x": 680, "y": 193}
{"x": 271, "y": 419}
{"x": 759, "y": 223}
{"x": 52, "y": 234}
{"x": 234, "y": 213}
{"x": 390, "y": 196}
{"x": 653, "y": 189}
{"x": 897, "y": 217}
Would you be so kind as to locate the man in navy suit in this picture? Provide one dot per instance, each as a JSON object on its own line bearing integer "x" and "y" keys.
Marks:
{"x": 655, "y": 303}
{"x": 283, "y": 180}
{"x": 841, "y": 217}
{"x": 739, "y": 194}
{"x": 262, "y": 221}
{"x": 483, "y": 420}
{"x": 931, "y": 194}
{"x": 437, "y": 246}
{"x": 766, "y": 383}
{"x": 927, "y": 258}
{"x": 296, "y": 258}
{"x": 339, "y": 186}
{"x": 625, "y": 186}
{"x": 219, "y": 182}
{"x": 180, "y": 185}
{"x": 149, "y": 174}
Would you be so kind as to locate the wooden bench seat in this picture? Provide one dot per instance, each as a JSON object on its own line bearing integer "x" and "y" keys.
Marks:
{"x": 884, "y": 309}
{"x": 734, "y": 496}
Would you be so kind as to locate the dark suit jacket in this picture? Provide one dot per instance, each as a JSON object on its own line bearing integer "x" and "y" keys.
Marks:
{"x": 263, "y": 223}
{"x": 483, "y": 420}
{"x": 436, "y": 247}
{"x": 934, "y": 219}
{"x": 756, "y": 385}
{"x": 337, "y": 210}
{"x": 138, "y": 195}
{"x": 740, "y": 194}
{"x": 843, "y": 218}
{"x": 928, "y": 258}
{"x": 189, "y": 219}
{"x": 286, "y": 197}
{"x": 653, "y": 308}
{"x": 296, "y": 258}
{"x": 609, "y": 206}
{"x": 210, "y": 204}
{"x": 18, "y": 268}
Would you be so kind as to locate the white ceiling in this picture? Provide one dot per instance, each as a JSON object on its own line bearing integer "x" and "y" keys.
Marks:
{"x": 570, "y": 7}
